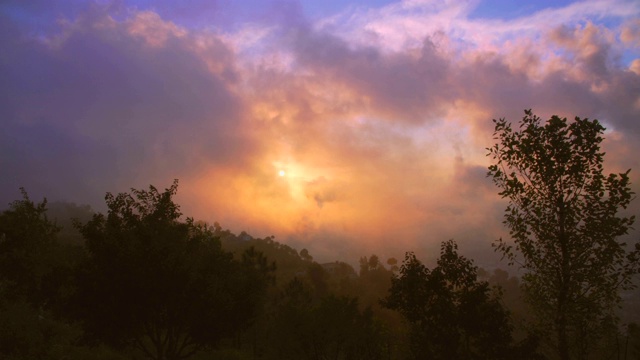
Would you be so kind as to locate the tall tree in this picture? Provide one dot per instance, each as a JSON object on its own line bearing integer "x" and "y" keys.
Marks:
{"x": 564, "y": 218}
{"x": 159, "y": 284}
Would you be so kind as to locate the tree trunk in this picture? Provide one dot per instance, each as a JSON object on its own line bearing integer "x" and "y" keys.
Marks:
{"x": 563, "y": 346}
{"x": 565, "y": 281}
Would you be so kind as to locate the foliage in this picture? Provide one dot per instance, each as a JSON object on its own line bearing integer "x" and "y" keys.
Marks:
{"x": 35, "y": 272}
{"x": 393, "y": 264}
{"x": 65, "y": 214}
{"x": 563, "y": 216}
{"x": 162, "y": 285}
{"x": 632, "y": 342}
{"x": 452, "y": 314}
{"x": 27, "y": 250}
{"x": 304, "y": 254}
{"x": 373, "y": 282}
{"x": 28, "y": 332}
{"x": 330, "y": 327}
{"x": 287, "y": 258}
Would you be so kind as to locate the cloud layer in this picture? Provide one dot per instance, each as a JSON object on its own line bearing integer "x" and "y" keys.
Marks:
{"x": 378, "y": 117}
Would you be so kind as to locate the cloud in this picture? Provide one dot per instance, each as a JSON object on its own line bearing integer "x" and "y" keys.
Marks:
{"x": 136, "y": 91}
{"x": 405, "y": 86}
{"x": 322, "y": 191}
{"x": 630, "y": 33}
{"x": 379, "y": 116}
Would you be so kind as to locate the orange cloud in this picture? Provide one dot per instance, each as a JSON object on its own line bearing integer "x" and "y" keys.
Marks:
{"x": 379, "y": 120}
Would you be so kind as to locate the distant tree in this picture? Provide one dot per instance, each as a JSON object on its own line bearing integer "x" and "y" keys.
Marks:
{"x": 304, "y": 254}
{"x": 288, "y": 261}
{"x": 512, "y": 298}
{"x": 329, "y": 327}
{"x": 393, "y": 264}
{"x": 374, "y": 262}
{"x": 452, "y": 314}
{"x": 369, "y": 264}
{"x": 65, "y": 214}
{"x": 319, "y": 278}
{"x": 159, "y": 284}
{"x": 563, "y": 216}
{"x": 373, "y": 281}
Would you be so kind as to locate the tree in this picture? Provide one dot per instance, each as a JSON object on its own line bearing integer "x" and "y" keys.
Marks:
{"x": 36, "y": 275}
{"x": 319, "y": 326}
{"x": 393, "y": 264}
{"x": 369, "y": 264}
{"x": 31, "y": 263}
{"x": 452, "y": 314}
{"x": 304, "y": 254}
{"x": 373, "y": 281}
{"x": 162, "y": 285}
{"x": 28, "y": 251}
{"x": 563, "y": 216}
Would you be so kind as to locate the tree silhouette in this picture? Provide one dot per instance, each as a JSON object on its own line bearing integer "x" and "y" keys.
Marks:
{"x": 563, "y": 216}
{"x": 28, "y": 250}
{"x": 308, "y": 326}
{"x": 452, "y": 314}
{"x": 31, "y": 269}
{"x": 304, "y": 254}
{"x": 159, "y": 284}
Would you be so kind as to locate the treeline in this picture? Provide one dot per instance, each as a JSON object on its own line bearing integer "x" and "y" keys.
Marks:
{"x": 142, "y": 281}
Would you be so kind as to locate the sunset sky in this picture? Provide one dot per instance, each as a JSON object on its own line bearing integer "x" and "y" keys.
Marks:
{"x": 346, "y": 127}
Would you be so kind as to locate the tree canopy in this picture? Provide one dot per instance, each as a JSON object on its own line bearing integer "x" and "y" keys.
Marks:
{"x": 160, "y": 284}
{"x": 452, "y": 314}
{"x": 27, "y": 250}
{"x": 565, "y": 218}
{"x": 311, "y": 325}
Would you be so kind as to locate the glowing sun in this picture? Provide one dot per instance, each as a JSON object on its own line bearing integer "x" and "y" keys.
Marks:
{"x": 282, "y": 173}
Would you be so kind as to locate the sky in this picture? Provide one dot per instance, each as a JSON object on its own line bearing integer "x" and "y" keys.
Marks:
{"x": 348, "y": 128}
